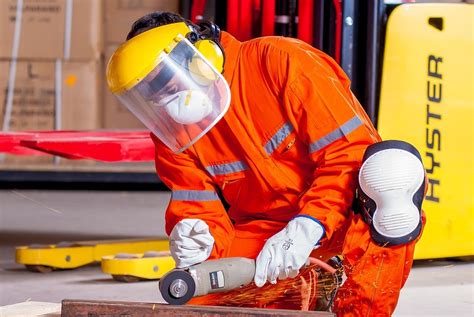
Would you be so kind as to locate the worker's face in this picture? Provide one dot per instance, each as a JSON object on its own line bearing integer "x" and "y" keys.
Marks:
{"x": 179, "y": 71}
{"x": 173, "y": 86}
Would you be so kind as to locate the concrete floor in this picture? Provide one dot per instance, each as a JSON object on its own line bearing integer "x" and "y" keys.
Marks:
{"x": 434, "y": 288}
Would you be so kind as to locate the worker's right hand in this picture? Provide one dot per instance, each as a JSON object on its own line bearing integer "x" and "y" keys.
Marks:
{"x": 190, "y": 242}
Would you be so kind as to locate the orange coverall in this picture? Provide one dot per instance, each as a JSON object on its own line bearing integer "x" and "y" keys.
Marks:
{"x": 290, "y": 144}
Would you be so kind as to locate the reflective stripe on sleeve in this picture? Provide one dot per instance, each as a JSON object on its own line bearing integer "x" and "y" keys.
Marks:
{"x": 227, "y": 168}
{"x": 278, "y": 138}
{"x": 343, "y": 130}
{"x": 194, "y": 195}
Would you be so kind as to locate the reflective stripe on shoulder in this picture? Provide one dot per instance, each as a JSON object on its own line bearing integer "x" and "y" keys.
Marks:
{"x": 343, "y": 130}
{"x": 278, "y": 138}
{"x": 194, "y": 195}
{"x": 227, "y": 168}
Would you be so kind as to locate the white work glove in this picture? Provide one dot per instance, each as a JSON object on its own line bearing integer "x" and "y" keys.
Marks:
{"x": 287, "y": 251}
{"x": 190, "y": 242}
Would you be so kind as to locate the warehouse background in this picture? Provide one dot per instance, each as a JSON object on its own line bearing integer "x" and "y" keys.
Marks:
{"x": 53, "y": 55}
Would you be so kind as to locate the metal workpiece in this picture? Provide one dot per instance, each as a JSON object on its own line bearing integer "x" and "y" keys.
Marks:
{"x": 76, "y": 308}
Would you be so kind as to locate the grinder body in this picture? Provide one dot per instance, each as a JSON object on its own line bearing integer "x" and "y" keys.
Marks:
{"x": 180, "y": 285}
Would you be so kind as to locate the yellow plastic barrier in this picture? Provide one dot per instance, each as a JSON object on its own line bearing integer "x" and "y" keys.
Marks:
{"x": 134, "y": 267}
{"x": 69, "y": 255}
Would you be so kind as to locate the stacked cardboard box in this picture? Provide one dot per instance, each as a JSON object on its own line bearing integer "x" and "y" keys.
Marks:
{"x": 43, "y": 90}
{"x": 51, "y": 29}
{"x": 50, "y": 59}
{"x": 119, "y": 17}
{"x": 53, "y": 55}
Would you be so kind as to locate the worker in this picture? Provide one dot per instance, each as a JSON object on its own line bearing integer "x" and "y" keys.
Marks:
{"x": 271, "y": 126}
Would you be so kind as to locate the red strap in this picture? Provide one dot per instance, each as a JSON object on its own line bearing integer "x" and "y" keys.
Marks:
{"x": 268, "y": 17}
{"x": 197, "y": 10}
{"x": 338, "y": 35}
{"x": 106, "y": 146}
{"x": 233, "y": 18}
{"x": 10, "y": 143}
{"x": 305, "y": 21}
{"x": 246, "y": 10}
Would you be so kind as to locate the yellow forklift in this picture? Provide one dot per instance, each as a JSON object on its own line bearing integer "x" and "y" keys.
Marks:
{"x": 427, "y": 99}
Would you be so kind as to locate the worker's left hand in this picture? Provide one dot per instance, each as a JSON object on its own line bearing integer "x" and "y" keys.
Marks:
{"x": 287, "y": 251}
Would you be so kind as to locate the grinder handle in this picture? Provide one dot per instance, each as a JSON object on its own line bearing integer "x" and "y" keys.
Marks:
{"x": 222, "y": 275}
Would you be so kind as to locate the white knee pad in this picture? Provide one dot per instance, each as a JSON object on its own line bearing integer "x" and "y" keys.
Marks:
{"x": 391, "y": 190}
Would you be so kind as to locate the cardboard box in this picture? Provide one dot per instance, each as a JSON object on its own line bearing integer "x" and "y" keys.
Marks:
{"x": 120, "y": 15}
{"x": 114, "y": 114}
{"x": 40, "y": 89}
{"x": 117, "y": 116}
{"x": 37, "y": 85}
{"x": 52, "y": 29}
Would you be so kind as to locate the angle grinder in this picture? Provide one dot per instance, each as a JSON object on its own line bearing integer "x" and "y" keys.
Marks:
{"x": 180, "y": 285}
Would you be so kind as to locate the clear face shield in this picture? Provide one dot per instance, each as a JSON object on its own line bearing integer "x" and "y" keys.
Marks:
{"x": 181, "y": 99}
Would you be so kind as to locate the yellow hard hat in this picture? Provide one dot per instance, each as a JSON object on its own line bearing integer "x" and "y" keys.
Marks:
{"x": 170, "y": 77}
{"x": 136, "y": 58}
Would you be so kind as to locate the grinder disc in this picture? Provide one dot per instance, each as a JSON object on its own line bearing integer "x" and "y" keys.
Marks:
{"x": 177, "y": 287}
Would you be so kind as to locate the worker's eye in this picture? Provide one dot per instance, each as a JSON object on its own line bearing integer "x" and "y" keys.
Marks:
{"x": 170, "y": 89}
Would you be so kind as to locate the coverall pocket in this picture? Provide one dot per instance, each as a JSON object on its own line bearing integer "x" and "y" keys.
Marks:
{"x": 289, "y": 149}
{"x": 291, "y": 161}
{"x": 231, "y": 187}
{"x": 245, "y": 195}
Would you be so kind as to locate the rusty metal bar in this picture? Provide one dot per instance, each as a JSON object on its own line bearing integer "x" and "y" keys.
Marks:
{"x": 86, "y": 308}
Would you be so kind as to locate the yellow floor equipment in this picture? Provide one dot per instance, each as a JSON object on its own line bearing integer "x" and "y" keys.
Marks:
{"x": 127, "y": 267}
{"x": 427, "y": 99}
{"x": 70, "y": 255}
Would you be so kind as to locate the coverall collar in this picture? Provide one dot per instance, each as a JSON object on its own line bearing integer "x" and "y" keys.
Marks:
{"x": 231, "y": 50}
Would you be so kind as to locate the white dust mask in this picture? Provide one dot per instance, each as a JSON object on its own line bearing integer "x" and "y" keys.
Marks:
{"x": 187, "y": 106}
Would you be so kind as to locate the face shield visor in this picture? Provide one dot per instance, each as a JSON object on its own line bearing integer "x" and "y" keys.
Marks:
{"x": 181, "y": 99}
